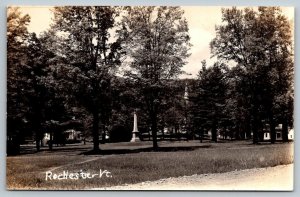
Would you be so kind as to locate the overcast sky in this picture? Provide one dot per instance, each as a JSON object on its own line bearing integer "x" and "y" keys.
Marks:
{"x": 201, "y": 20}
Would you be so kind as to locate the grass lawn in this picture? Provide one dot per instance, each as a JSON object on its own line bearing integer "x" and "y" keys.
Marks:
{"x": 138, "y": 164}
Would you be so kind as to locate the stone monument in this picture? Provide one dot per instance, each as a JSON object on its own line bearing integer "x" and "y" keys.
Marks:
{"x": 186, "y": 94}
{"x": 135, "y": 128}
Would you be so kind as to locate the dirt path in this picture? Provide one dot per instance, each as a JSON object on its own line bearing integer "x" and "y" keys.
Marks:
{"x": 271, "y": 178}
{"x": 81, "y": 162}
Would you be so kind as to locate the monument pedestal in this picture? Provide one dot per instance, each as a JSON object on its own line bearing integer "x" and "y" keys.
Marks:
{"x": 135, "y": 137}
{"x": 135, "y": 129}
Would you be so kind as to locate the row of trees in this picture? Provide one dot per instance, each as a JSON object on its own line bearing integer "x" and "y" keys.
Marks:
{"x": 70, "y": 74}
{"x": 76, "y": 61}
{"x": 258, "y": 90}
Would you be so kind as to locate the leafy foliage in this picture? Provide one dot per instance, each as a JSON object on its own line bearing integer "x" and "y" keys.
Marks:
{"x": 90, "y": 58}
{"x": 157, "y": 41}
{"x": 260, "y": 42}
{"x": 17, "y": 34}
{"x": 209, "y": 103}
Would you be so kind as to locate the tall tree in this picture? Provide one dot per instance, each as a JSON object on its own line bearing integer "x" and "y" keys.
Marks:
{"x": 91, "y": 57}
{"x": 276, "y": 70}
{"x": 210, "y": 101}
{"x": 36, "y": 90}
{"x": 47, "y": 104}
{"x": 258, "y": 41}
{"x": 30, "y": 81}
{"x": 237, "y": 104}
{"x": 17, "y": 35}
{"x": 157, "y": 41}
{"x": 174, "y": 110}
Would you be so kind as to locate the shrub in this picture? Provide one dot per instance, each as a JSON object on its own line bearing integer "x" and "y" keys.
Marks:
{"x": 120, "y": 133}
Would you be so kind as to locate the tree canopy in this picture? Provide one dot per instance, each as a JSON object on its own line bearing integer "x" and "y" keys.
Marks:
{"x": 157, "y": 41}
{"x": 260, "y": 42}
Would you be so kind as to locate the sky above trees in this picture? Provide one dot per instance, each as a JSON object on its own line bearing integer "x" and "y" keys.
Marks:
{"x": 201, "y": 21}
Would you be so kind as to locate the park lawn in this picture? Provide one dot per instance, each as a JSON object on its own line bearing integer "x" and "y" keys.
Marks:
{"x": 29, "y": 171}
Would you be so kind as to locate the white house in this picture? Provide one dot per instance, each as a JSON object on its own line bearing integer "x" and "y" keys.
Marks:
{"x": 72, "y": 135}
{"x": 45, "y": 139}
{"x": 291, "y": 134}
{"x": 267, "y": 136}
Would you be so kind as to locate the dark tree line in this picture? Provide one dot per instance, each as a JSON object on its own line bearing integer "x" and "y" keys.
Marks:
{"x": 209, "y": 102}
{"x": 258, "y": 90}
{"x": 71, "y": 67}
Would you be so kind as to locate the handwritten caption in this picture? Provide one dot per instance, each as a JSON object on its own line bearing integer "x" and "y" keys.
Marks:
{"x": 77, "y": 175}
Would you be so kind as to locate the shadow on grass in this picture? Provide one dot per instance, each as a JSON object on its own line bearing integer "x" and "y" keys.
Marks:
{"x": 60, "y": 149}
{"x": 79, "y": 150}
{"x": 140, "y": 150}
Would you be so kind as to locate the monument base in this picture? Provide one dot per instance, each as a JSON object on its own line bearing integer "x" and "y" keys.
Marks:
{"x": 134, "y": 138}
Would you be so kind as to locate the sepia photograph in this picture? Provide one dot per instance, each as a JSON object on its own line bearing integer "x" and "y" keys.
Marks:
{"x": 150, "y": 98}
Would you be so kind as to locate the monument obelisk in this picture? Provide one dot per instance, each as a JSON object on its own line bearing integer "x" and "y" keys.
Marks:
{"x": 135, "y": 128}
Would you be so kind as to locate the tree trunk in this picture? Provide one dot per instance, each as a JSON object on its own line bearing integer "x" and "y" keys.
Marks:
{"x": 103, "y": 138}
{"x": 154, "y": 131}
{"x": 247, "y": 127}
{"x": 285, "y": 133}
{"x": 238, "y": 134}
{"x": 37, "y": 142}
{"x": 37, "y": 135}
{"x": 254, "y": 127}
{"x": 254, "y": 119}
{"x": 201, "y": 135}
{"x": 51, "y": 141}
{"x": 214, "y": 131}
{"x": 103, "y": 135}
{"x": 272, "y": 128}
{"x": 96, "y": 131}
{"x": 13, "y": 145}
